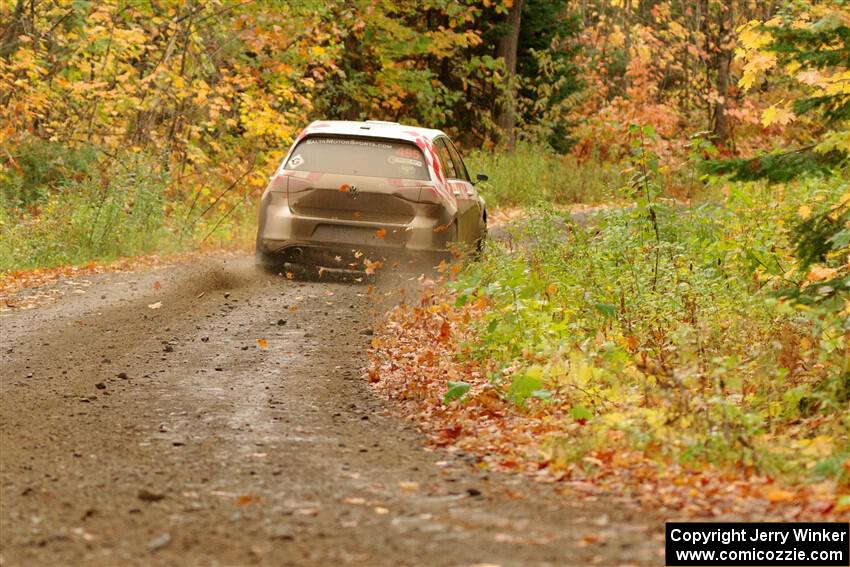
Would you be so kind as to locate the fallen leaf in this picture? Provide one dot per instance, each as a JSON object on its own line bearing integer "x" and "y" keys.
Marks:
{"x": 157, "y": 285}
{"x": 380, "y": 233}
{"x": 445, "y": 330}
{"x": 374, "y": 375}
{"x": 246, "y": 499}
{"x": 779, "y": 495}
{"x": 156, "y": 305}
{"x": 263, "y": 343}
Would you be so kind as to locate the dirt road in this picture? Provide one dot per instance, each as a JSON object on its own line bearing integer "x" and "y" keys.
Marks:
{"x": 132, "y": 435}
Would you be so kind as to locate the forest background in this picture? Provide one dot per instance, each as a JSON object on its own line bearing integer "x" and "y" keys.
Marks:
{"x": 704, "y": 318}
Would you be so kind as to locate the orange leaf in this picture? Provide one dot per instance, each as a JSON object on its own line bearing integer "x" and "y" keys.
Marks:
{"x": 371, "y": 266}
{"x": 262, "y": 343}
{"x": 157, "y": 285}
{"x": 344, "y": 188}
{"x": 374, "y": 375}
{"x": 380, "y": 233}
{"x": 445, "y": 330}
{"x": 779, "y": 495}
{"x": 246, "y": 499}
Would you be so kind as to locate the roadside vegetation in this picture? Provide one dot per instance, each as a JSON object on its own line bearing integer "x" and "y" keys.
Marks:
{"x": 698, "y": 322}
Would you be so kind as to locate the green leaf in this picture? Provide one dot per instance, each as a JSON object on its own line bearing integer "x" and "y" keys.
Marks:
{"x": 526, "y": 384}
{"x": 840, "y": 239}
{"x": 456, "y": 391}
{"x": 581, "y": 412}
{"x": 607, "y": 309}
{"x": 545, "y": 395}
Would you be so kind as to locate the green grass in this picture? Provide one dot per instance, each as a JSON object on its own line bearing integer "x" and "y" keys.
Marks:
{"x": 531, "y": 175}
{"x": 70, "y": 207}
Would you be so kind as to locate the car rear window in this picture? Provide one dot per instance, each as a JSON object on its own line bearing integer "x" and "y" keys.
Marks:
{"x": 359, "y": 156}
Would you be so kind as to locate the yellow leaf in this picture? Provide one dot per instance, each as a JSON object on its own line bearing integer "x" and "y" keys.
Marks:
{"x": 776, "y": 115}
{"x": 804, "y": 211}
{"x": 751, "y": 38}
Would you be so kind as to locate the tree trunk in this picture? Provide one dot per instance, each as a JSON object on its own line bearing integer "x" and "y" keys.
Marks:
{"x": 507, "y": 50}
{"x": 13, "y": 28}
{"x": 722, "y": 61}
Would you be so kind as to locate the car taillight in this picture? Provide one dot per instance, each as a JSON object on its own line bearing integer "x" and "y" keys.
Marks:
{"x": 420, "y": 194}
{"x": 278, "y": 183}
{"x": 297, "y": 184}
{"x": 428, "y": 194}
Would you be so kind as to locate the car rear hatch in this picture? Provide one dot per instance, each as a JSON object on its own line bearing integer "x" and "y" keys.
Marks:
{"x": 359, "y": 190}
{"x": 358, "y": 199}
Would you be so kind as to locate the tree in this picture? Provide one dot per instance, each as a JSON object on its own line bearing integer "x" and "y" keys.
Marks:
{"x": 506, "y": 49}
{"x": 812, "y": 46}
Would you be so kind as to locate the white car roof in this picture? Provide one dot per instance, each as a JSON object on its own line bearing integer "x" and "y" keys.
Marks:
{"x": 375, "y": 128}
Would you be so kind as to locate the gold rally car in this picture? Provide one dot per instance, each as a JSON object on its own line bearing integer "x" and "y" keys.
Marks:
{"x": 353, "y": 193}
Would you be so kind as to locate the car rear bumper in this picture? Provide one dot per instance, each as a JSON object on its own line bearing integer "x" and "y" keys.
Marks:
{"x": 286, "y": 236}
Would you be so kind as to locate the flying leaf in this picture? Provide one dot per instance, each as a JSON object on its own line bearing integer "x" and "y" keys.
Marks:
{"x": 372, "y": 266}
